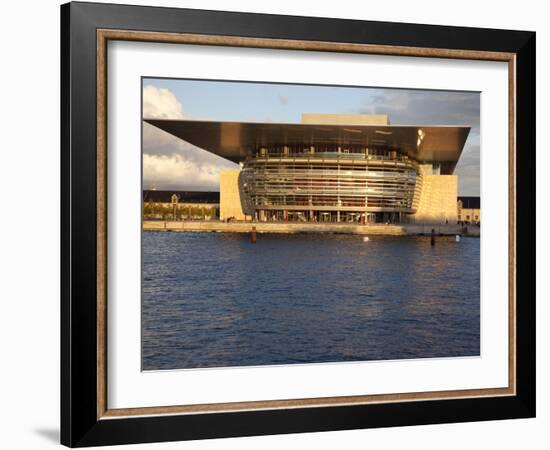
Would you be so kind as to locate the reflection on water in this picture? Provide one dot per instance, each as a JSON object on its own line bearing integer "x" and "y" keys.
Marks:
{"x": 217, "y": 300}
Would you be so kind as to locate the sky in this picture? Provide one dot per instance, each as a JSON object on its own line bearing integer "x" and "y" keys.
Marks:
{"x": 172, "y": 164}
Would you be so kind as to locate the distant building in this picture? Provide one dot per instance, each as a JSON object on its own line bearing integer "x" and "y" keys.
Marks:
{"x": 183, "y": 196}
{"x": 180, "y": 205}
{"x": 332, "y": 168}
{"x": 468, "y": 209}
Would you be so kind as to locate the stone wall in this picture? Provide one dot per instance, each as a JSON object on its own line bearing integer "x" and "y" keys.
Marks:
{"x": 274, "y": 227}
{"x": 230, "y": 199}
{"x": 437, "y": 202}
{"x": 296, "y": 227}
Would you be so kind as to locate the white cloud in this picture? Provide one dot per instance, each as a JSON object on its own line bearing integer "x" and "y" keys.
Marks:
{"x": 175, "y": 172}
{"x": 161, "y": 103}
{"x": 169, "y": 162}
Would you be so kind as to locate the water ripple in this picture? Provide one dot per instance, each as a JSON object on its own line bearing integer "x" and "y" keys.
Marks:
{"x": 213, "y": 299}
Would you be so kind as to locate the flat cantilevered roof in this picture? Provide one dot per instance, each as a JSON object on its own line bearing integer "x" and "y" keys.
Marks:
{"x": 237, "y": 140}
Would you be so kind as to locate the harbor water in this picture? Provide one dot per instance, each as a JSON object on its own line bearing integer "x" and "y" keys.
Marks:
{"x": 216, "y": 300}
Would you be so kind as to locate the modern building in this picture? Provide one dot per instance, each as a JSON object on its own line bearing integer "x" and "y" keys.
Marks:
{"x": 332, "y": 168}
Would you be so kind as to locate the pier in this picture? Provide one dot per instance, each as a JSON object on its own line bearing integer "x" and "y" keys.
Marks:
{"x": 298, "y": 227}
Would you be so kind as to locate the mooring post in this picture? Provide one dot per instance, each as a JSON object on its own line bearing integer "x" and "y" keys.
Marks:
{"x": 432, "y": 239}
{"x": 253, "y": 235}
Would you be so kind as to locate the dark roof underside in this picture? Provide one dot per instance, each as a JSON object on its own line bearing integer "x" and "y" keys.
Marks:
{"x": 237, "y": 140}
{"x": 470, "y": 202}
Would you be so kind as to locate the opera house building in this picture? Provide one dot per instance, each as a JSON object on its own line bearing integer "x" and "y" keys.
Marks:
{"x": 332, "y": 168}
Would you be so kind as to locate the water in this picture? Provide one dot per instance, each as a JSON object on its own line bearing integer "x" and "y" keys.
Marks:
{"x": 213, "y": 300}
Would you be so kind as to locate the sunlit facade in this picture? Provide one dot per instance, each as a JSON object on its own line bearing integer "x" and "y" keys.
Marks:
{"x": 331, "y": 168}
{"x": 329, "y": 183}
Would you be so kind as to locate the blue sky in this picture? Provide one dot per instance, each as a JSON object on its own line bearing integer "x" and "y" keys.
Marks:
{"x": 170, "y": 163}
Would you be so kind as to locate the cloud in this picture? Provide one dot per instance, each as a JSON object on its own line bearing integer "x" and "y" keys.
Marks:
{"x": 169, "y": 162}
{"x": 406, "y": 107}
{"x": 424, "y": 107}
{"x": 175, "y": 172}
{"x": 161, "y": 103}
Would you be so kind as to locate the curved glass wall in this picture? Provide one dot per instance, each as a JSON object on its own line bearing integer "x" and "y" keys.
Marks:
{"x": 365, "y": 183}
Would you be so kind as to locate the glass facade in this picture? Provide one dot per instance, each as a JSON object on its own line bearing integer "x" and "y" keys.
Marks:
{"x": 329, "y": 183}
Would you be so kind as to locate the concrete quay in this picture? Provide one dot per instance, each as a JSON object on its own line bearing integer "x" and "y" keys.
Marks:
{"x": 299, "y": 227}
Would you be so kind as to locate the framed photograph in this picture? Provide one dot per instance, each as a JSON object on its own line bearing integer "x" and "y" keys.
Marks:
{"x": 277, "y": 224}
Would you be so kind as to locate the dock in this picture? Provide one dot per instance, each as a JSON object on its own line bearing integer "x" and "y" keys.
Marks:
{"x": 374, "y": 229}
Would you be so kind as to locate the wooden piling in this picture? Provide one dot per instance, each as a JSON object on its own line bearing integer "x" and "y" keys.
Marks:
{"x": 253, "y": 235}
{"x": 432, "y": 238}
